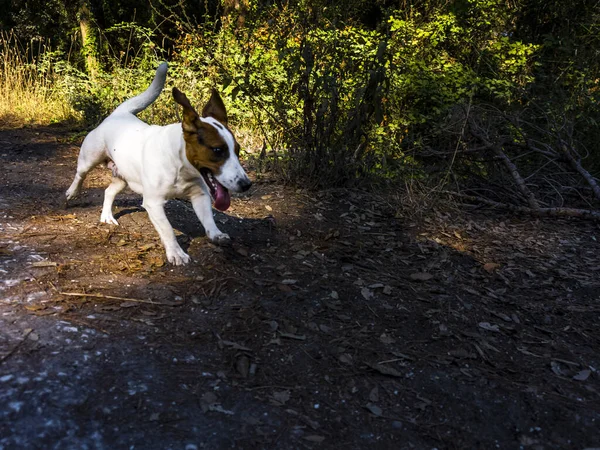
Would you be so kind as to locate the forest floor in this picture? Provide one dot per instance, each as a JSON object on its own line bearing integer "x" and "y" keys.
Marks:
{"x": 332, "y": 321}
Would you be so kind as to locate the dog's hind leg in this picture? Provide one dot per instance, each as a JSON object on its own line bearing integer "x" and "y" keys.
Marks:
{"x": 91, "y": 154}
{"x": 116, "y": 186}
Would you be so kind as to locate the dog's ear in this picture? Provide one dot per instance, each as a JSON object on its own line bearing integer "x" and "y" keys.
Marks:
{"x": 215, "y": 108}
{"x": 190, "y": 116}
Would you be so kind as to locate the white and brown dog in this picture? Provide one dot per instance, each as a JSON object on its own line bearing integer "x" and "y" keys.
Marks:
{"x": 197, "y": 159}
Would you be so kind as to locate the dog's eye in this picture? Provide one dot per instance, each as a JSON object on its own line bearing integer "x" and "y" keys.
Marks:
{"x": 217, "y": 150}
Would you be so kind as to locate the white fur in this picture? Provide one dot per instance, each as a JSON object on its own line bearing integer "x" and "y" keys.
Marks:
{"x": 152, "y": 161}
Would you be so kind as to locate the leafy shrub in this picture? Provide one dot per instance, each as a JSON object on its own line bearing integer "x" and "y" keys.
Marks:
{"x": 330, "y": 97}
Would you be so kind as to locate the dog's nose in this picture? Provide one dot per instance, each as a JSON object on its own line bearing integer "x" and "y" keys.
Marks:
{"x": 244, "y": 184}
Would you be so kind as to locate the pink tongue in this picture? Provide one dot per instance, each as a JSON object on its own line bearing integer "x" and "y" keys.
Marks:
{"x": 222, "y": 199}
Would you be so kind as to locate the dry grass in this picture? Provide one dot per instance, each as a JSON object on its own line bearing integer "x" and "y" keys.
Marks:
{"x": 29, "y": 88}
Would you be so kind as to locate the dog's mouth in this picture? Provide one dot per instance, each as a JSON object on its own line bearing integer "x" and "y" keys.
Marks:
{"x": 218, "y": 192}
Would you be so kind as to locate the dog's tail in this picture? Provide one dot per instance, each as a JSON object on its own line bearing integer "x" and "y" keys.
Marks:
{"x": 142, "y": 101}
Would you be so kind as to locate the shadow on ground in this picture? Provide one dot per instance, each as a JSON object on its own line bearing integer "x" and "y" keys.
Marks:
{"x": 331, "y": 321}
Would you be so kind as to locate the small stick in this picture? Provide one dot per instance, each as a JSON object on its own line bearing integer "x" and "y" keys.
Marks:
{"x": 111, "y": 297}
{"x": 392, "y": 360}
{"x": 14, "y": 349}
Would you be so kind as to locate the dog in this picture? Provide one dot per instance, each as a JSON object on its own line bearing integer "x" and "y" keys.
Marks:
{"x": 197, "y": 159}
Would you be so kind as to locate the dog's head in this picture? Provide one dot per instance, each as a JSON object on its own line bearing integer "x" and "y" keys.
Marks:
{"x": 212, "y": 149}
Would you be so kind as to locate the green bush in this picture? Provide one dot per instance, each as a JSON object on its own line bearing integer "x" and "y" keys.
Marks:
{"x": 332, "y": 96}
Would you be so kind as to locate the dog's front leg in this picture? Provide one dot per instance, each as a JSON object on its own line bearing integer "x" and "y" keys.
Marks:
{"x": 156, "y": 212}
{"x": 202, "y": 206}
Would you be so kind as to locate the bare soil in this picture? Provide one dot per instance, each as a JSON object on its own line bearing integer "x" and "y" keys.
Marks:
{"x": 332, "y": 321}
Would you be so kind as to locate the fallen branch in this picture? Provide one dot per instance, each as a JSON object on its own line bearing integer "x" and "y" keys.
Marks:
{"x": 529, "y": 196}
{"x": 512, "y": 168}
{"x": 549, "y": 212}
{"x": 576, "y": 164}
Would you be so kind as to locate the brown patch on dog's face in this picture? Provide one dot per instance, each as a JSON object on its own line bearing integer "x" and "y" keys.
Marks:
{"x": 205, "y": 148}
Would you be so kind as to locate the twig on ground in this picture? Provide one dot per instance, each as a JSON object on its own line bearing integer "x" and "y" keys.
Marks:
{"x": 111, "y": 297}
{"x": 16, "y": 347}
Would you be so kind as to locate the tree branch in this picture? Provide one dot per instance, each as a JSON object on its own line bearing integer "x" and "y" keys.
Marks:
{"x": 514, "y": 172}
{"x": 576, "y": 164}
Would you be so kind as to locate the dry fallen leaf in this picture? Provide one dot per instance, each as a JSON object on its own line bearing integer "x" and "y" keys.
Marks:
{"x": 280, "y": 398}
{"x": 374, "y": 394}
{"x": 424, "y": 403}
{"x": 65, "y": 216}
{"x": 556, "y": 368}
{"x": 583, "y": 375}
{"x": 284, "y": 288}
{"x": 386, "y": 339}
{"x": 242, "y": 251}
{"x": 35, "y": 307}
{"x": 129, "y": 304}
{"x": 298, "y": 337}
{"x": 421, "y": 276}
{"x": 490, "y": 267}
{"x": 489, "y": 327}
{"x": 242, "y": 365}
{"x": 35, "y": 337}
{"x": 207, "y": 400}
{"x": 366, "y": 293}
{"x": 346, "y": 358}
{"x": 156, "y": 261}
{"x": 236, "y": 346}
{"x": 325, "y": 329}
{"x": 374, "y": 409}
{"x": 385, "y": 370}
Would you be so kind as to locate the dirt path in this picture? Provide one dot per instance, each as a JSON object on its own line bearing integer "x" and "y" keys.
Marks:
{"x": 329, "y": 323}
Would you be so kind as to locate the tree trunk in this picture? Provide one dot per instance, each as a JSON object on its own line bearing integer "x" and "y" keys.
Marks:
{"x": 89, "y": 39}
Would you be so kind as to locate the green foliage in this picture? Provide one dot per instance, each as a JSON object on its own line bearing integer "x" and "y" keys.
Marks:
{"x": 312, "y": 92}
{"x": 336, "y": 93}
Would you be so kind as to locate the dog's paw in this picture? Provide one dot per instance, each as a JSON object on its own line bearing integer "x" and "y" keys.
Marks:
{"x": 178, "y": 257}
{"x": 71, "y": 193}
{"x": 108, "y": 218}
{"x": 221, "y": 239}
